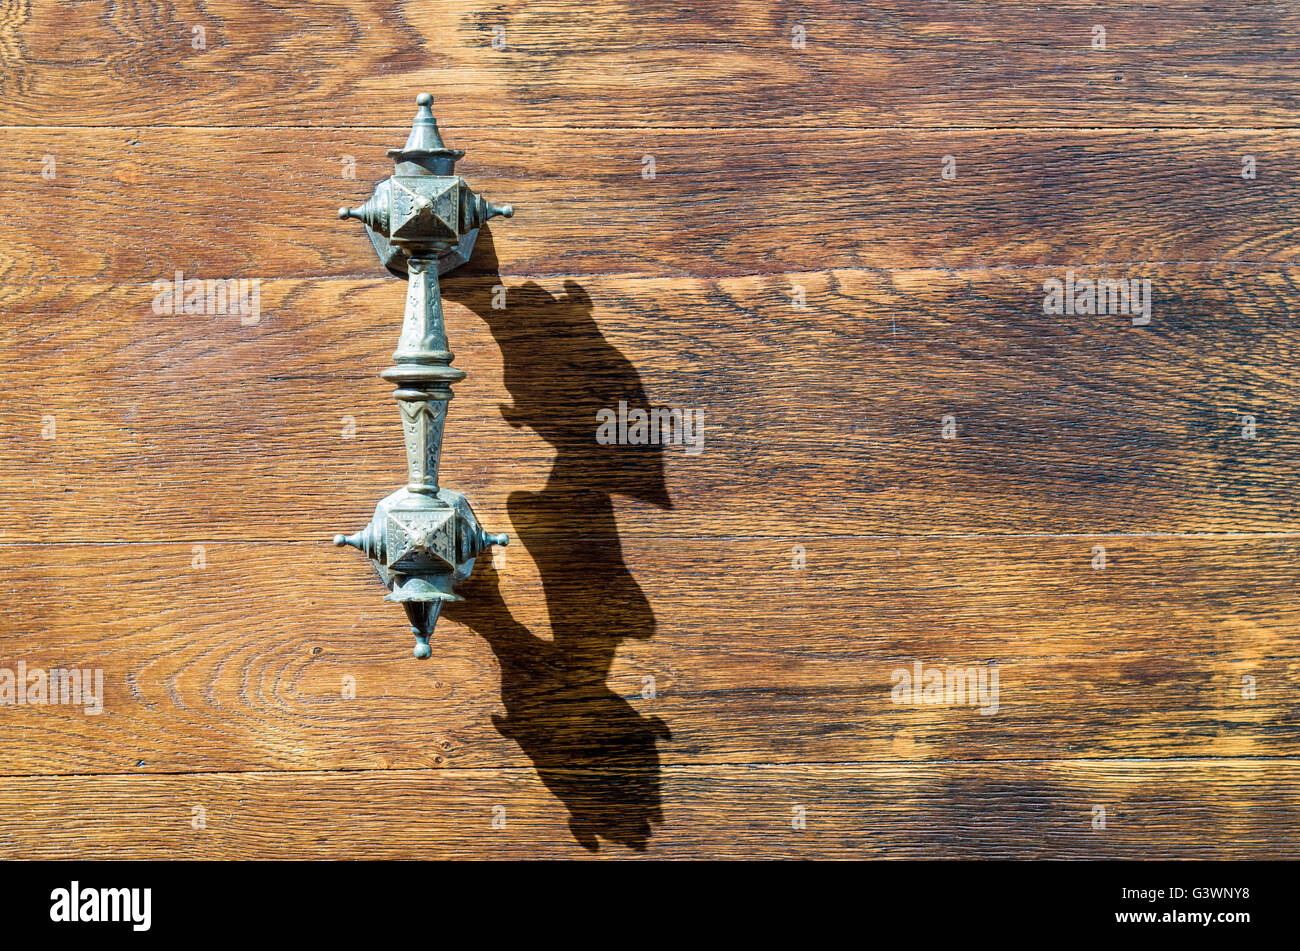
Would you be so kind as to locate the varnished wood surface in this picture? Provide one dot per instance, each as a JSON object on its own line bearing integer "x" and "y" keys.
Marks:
{"x": 678, "y": 652}
{"x": 261, "y": 203}
{"x": 827, "y": 420}
{"x": 651, "y": 64}
{"x": 1189, "y": 809}
{"x": 246, "y": 662}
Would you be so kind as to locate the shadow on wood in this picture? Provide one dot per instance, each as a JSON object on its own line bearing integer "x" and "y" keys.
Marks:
{"x": 591, "y": 748}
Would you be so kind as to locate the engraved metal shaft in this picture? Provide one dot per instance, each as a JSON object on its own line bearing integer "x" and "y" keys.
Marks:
{"x": 423, "y": 374}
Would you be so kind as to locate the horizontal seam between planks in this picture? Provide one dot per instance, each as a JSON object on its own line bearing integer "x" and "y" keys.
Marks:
{"x": 852, "y": 765}
{"x": 672, "y": 276}
{"x": 684, "y": 130}
{"x": 680, "y": 537}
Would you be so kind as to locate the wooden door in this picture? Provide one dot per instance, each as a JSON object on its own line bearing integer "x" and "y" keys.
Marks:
{"x": 952, "y": 563}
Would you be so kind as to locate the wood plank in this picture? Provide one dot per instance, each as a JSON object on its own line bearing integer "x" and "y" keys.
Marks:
{"x": 244, "y": 663}
{"x": 820, "y": 421}
{"x": 146, "y": 203}
{"x": 896, "y": 62}
{"x": 1205, "y": 809}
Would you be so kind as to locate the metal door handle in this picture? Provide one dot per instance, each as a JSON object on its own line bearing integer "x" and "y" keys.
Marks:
{"x": 423, "y": 221}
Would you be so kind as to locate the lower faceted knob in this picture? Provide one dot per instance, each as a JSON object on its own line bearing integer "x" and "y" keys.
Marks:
{"x": 422, "y": 545}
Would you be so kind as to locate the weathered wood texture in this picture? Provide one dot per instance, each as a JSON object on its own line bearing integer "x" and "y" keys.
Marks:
{"x": 658, "y": 64}
{"x": 820, "y": 421}
{"x": 145, "y": 203}
{"x": 678, "y": 649}
{"x": 1191, "y": 809}
{"x": 245, "y": 662}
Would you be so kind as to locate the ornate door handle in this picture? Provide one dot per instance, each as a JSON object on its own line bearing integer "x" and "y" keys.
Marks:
{"x": 423, "y": 221}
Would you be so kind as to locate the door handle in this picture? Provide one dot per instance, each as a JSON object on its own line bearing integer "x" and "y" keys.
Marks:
{"x": 423, "y": 221}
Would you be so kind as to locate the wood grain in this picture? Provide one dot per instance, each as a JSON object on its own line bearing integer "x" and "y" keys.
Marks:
{"x": 657, "y": 64}
{"x": 678, "y": 651}
{"x": 244, "y": 663}
{"x": 145, "y": 203}
{"x": 821, "y": 421}
{"x": 1191, "y": 809}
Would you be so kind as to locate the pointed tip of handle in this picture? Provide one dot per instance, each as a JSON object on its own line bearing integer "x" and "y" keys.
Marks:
{"x": 502, "y": 539}
{"x": 424, "y": 99}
